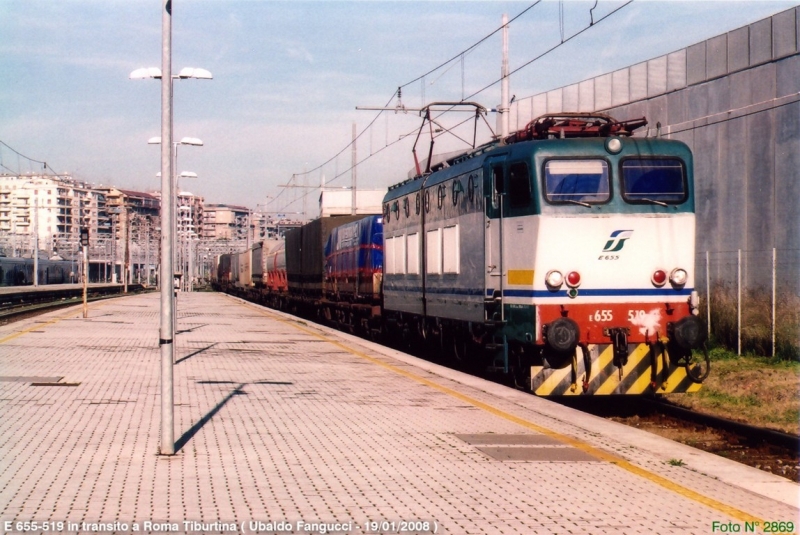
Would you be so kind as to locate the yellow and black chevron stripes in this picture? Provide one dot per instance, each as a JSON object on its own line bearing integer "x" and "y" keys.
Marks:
{"x": 637, "y": 375}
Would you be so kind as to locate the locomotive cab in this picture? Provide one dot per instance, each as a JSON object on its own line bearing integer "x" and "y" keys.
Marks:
{"x": 595, "y": 241}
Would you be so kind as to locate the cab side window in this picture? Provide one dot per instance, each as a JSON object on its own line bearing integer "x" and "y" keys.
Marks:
{"x": 519, "y": 185}
{"x": 499, "y": 185}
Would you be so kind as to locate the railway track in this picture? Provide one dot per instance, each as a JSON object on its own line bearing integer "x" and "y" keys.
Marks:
{"x": 766, "y": 449}
{"x": 24, "y": 303}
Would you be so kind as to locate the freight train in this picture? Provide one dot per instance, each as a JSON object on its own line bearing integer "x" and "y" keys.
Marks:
{"x": 561, "y": 255}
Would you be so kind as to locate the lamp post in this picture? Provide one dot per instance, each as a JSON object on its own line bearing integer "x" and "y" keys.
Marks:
{"x": 192, "y": 240}
{"x": 167, "y": 330}
{"x": 35, "y": 239}
{"x": 193, "y": 141}
{"x": 33, "y": 219}
{"x": 180, "y": 221}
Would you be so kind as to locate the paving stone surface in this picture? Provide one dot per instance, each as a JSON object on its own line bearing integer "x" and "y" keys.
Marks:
{"x": 284, "y": 427}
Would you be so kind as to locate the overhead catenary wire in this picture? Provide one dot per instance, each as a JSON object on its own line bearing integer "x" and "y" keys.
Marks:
{"x": 473, "y": 46}
{"x": 29, "y": 159}
{"x": 468, "y": 97}
{"x": 553, "y": 48}
{"x": 419, "y": 78}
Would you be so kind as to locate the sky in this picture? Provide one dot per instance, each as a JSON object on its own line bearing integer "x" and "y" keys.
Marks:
{"x": 288, "y": 76}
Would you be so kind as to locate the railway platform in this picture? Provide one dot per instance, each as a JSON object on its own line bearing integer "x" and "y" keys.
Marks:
{"x": 287, "y": 427}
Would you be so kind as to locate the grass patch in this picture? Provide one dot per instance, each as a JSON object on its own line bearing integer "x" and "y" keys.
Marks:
{"x": 722, "y": 399}
{"x": 755, "y": 390}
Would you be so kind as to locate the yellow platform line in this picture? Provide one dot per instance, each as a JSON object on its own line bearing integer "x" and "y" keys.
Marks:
{"x": 583, "y": 446}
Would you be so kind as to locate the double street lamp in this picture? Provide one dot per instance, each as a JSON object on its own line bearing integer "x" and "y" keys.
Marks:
{"x": 185, "y": 73}
{"x": 167, "y": 326}
{"x": 192, "y": 141}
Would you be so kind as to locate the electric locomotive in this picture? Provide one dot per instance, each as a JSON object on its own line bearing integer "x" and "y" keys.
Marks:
{"x": 566, "y": 250}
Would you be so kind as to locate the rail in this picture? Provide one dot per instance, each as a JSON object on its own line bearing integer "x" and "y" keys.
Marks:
{"x": 16, "y": 301}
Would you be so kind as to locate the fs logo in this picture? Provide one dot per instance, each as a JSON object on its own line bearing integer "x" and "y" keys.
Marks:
{"x": 617, "y": 240}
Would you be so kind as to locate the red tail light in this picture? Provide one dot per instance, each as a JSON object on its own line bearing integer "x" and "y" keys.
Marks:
{"x": 573, "y": 279}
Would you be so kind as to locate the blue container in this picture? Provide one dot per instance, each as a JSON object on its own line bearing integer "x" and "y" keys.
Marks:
{"x": 354, "y": 260}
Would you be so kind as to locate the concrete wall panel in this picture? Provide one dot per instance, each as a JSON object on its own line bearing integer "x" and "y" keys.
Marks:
{"x": 763, "y": 82}
{"x": 719, "y": 95}
{"x": 539, "y": 105}
{"x": 586, "y": 95}
{"x": 602, "y": 92}
{"x": 787, "y": 76}
{"x": 657, "y": 76}
{"x": 717, "y": 56}
{"x": 620, "y": 87}
{"x": 760, "y": 184}
{"x": 696, "y": 63}
{"x": 787, "y": 193}
{"x": 739, "y": 49}
{"x": 743, "y": 94}
{"x": 697, "y": 100}
{"x": 676, "y": 70}
{"x": 784, "y": 34}
{"x": 760, "y": 41}
{"x": 638, "y": 81}
{"x": 554, "y": 101}
{"x": 677, "y": 110}
{"x": 570, "y": 98}
{"x": 760, "y": 206}
{"x": 656, "y": 112}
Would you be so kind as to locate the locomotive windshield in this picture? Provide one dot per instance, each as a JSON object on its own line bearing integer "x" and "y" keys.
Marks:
{"x": 576, "y": 181}
{"x": 653, "y": 180}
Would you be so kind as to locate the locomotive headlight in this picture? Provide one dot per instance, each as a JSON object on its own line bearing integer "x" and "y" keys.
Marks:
{"x": 573, "y": 279}
{"x": 659, "y": 278}
{"x": 614, "y": 145}
{"x": 554, "y": 279}
{"x": 678, "y": 277}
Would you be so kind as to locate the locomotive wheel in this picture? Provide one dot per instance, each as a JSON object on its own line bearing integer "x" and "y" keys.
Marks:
{"x": 460, "y": 347}
{"x": 519, "y": 369}
{"x": 521, "y": 377}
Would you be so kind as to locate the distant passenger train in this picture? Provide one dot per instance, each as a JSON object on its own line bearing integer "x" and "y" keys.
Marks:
{"x": 19, "y": 271}
{"x": 562, "y": 255}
